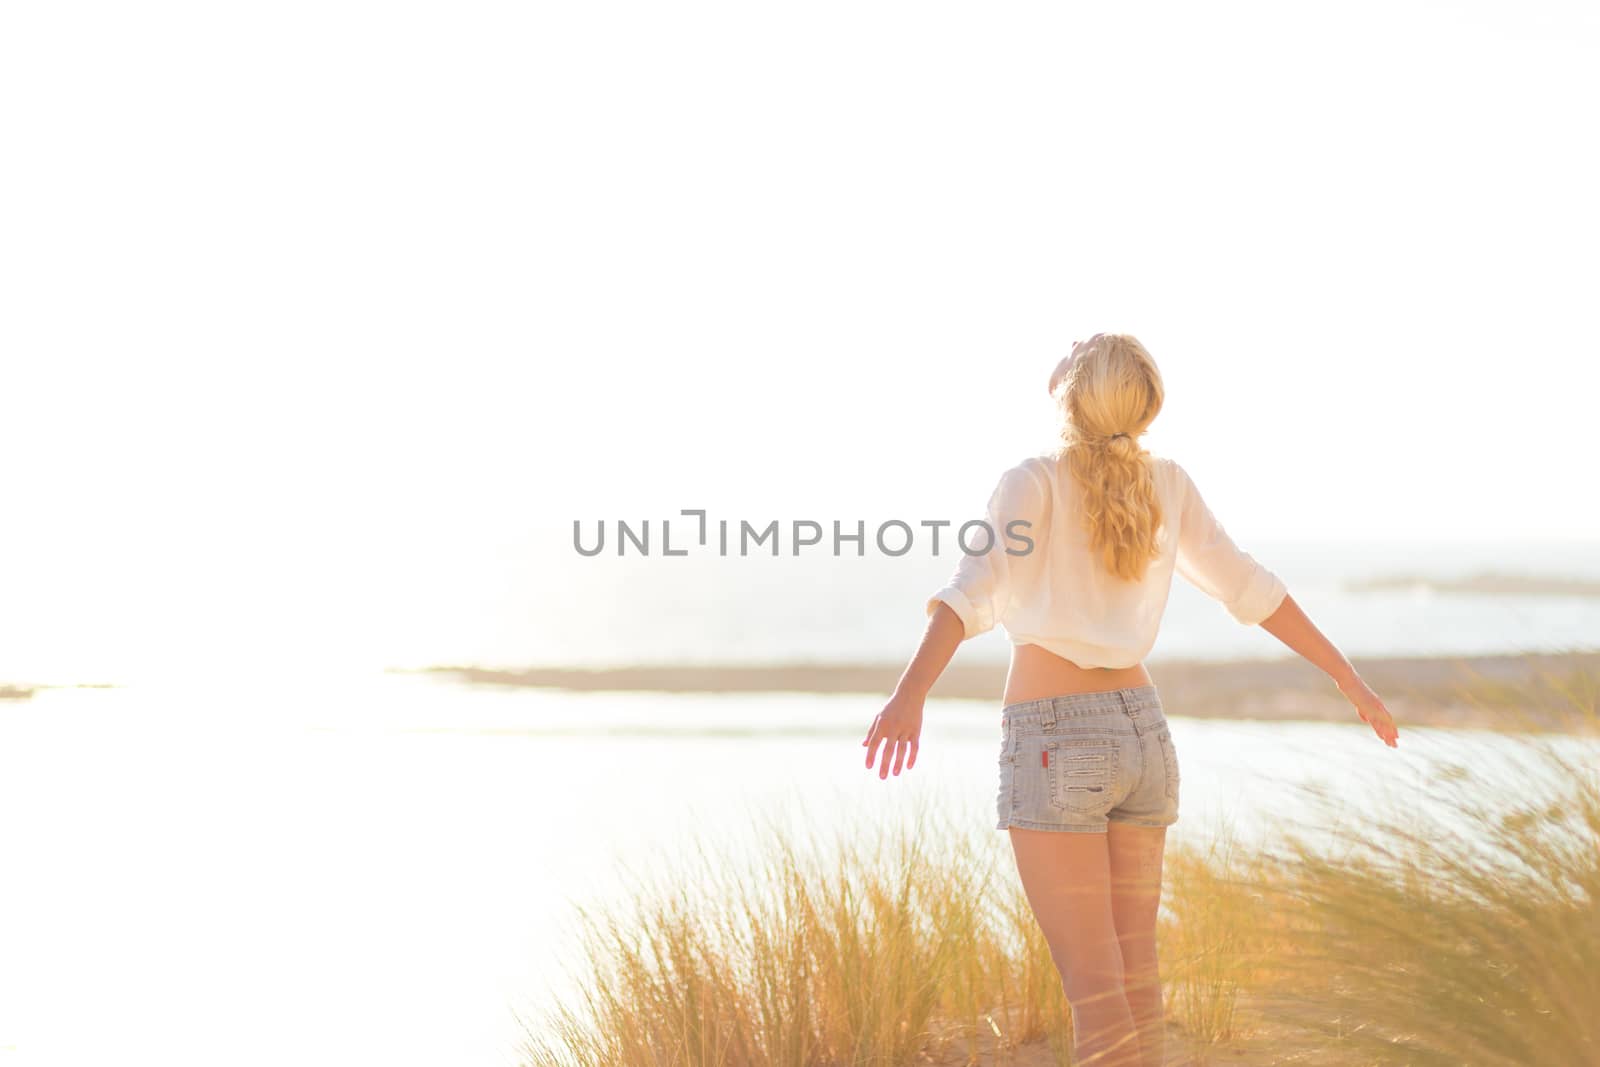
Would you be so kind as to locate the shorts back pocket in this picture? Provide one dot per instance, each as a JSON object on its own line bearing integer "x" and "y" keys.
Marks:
{"x": 1083, "y": 773}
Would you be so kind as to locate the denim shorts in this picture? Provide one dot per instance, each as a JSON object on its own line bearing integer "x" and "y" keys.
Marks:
{"x": 1077, "y": 761}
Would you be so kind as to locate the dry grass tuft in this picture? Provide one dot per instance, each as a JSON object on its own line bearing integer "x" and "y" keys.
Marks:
{"x": 1455, "y": 921}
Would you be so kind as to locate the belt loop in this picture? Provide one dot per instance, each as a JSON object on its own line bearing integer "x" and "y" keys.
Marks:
{"x": 1131, "y": 707}
{"x": 1048, "y": 715}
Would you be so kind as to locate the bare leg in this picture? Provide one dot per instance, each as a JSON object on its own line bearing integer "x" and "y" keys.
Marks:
{"x": 1136, "y": 854}
{"x": 1067, "y": 880}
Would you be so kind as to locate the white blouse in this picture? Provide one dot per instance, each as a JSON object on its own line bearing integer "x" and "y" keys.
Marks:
{"x": 1059, "y": 596}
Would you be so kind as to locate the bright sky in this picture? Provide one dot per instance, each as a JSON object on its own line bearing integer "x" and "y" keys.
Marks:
{"x": 307, "y": 304}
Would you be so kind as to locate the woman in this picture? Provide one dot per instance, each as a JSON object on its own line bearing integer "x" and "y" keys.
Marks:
{"x": 1078, "y": 572}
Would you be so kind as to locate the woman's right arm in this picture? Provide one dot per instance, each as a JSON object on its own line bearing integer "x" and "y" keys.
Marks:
{"x": 1254, "y": 595}
{"x": 1294, "y": 628}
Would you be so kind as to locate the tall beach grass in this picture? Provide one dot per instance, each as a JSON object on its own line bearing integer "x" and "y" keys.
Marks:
{"x": 1451, "y": 918}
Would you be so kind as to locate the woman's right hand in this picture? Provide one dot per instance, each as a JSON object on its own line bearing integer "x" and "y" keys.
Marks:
{"x": 1371, "y": 710}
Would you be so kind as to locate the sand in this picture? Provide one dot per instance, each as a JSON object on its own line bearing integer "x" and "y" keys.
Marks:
{"x": 1525, "y": 690}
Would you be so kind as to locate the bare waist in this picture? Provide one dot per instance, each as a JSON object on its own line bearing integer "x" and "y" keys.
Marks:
{"x": 1037, "y": 673}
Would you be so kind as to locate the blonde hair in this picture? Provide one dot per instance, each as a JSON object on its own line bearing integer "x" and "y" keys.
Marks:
{"x": 1110, "y": 391}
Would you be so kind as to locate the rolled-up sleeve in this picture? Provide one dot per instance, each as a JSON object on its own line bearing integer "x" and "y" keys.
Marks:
{"x": 1210, "y": 561}
{"x": 980, "y": 589}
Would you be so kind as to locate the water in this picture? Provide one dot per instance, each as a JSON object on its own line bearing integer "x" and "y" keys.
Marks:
{"x": 530, "y": 600}
{"x": 384, "y": 869}
{"x": 537, "y": 603}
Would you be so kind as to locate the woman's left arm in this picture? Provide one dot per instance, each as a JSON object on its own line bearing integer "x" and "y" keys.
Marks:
{"x": 973, "y": 602}
{"x": 898, "y": 727}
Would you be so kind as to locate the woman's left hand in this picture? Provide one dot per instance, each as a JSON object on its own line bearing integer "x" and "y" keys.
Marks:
{"x": 898, "y": 728}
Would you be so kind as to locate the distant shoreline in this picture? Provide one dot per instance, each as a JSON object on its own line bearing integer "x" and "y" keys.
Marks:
{"x": 1482, "y": 584}
{"x": 13, "y": 691}
{"x": 1534, "y": 690}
